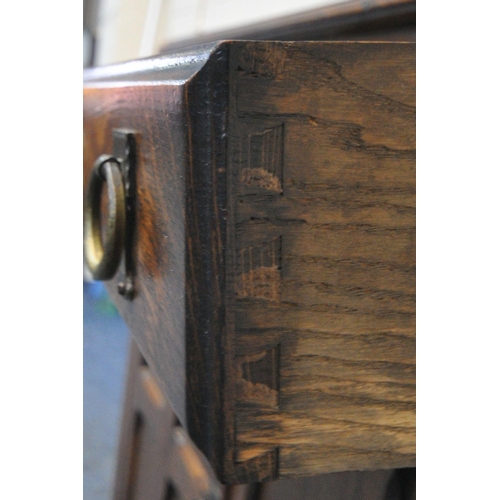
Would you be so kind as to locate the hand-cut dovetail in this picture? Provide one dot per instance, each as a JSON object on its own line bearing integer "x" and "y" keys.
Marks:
{"x": 267, "y": 62}
{"x": 259, "y": 271}
{"x": 262, "y": 467}
{"x": 258, "y": 377}
{"x": 264, "y": 165}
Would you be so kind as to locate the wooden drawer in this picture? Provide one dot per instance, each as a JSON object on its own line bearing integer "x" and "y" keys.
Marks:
{"x": 274, "y": 247}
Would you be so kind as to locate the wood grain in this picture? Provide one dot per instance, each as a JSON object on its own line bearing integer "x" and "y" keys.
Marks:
{"x": 342, "y": 205}
{"x": 149, "y": 97}
{"x": 157, "y": 461}
{"x": 275, "y": 247}
{"x": 206, "y": 98}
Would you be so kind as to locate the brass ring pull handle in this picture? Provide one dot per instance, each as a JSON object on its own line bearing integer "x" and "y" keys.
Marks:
{"x": 103, "y": 259}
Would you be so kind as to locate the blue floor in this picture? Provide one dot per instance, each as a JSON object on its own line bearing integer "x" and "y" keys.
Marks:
{"x": 105, "y": 350}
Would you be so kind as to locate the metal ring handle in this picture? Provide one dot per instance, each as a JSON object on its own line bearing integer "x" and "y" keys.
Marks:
{"x": 103, "y": 260}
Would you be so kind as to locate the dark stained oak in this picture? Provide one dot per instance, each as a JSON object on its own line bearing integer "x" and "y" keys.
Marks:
{"x": 158, "y": 461}
{"x": 177, "y": 107}
{"x": 275, "y": 247}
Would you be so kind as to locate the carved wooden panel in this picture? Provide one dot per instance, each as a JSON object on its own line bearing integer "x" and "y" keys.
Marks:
{"x": 157, "y": 460}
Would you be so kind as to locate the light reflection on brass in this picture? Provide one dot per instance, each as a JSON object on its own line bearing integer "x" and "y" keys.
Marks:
{"x": 103, "y": 259}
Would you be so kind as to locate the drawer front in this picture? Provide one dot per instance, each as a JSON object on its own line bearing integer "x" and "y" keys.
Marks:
{"x": 156, "y": 315}
{"x": 176, "y": 108}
